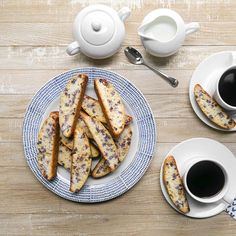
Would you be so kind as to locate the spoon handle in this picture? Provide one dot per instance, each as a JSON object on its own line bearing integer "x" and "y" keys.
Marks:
{"x": 172, "y": 81}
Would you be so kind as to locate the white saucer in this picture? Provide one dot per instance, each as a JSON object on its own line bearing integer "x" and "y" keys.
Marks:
{"x": 203, "y": 147}
{"x": 206, "y": 74}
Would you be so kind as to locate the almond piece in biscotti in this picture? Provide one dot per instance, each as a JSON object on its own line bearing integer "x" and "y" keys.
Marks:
{"x": 70, "y": 103}
{"x": 112, "y": 106}
{"x": 48, "y": 146}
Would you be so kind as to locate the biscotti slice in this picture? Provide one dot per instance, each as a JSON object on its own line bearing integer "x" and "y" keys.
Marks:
{"x": 64, "y": 156}
{"x": 93, "y": 108}
{"x": 82, "y": 125}
{"x": 81, "y": 161}
{"x": 112, "y": 106}
{"x": 211, "y": 109}
{"x": 122, "y": 144}
{"x": 103, "y": 140}
{"x": 94, "y": 150}
{"x": 69, "y": 142}
{"x": 70, "y": 103}
{"x": 174, "y": 185}
{"x": 48, "y": 145}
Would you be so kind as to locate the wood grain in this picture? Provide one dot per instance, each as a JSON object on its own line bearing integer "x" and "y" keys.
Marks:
{"x": 40, "y": 224}
{"x": 33, "y": 39}
{"x": 65, "y": 11}
{"x": 147, "y": 81}
{"x": 34, "y": 58}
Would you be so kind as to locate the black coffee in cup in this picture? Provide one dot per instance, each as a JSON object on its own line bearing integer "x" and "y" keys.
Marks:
{"x": 205, "y": 179}
{"x": 227, "y": 87}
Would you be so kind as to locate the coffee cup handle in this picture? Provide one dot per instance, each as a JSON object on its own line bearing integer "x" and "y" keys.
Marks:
{"x": 228, "y": 199}
{"x": 73, "y": 48}
{"x": 233, "y": 57}
{"x": 191, "y": 27}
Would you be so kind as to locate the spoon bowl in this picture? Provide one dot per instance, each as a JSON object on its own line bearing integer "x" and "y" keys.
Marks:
{"x": 134, "y": 56}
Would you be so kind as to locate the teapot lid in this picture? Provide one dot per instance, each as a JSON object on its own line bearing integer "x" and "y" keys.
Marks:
{"x": 97, "y": 27}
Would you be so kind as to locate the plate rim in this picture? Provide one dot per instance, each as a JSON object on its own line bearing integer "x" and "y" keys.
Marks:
{"x": 127, "y": 187}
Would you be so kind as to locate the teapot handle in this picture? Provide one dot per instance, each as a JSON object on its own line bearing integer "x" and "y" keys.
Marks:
{"x": 73, "y": 48}
{"x": 192, "y": 27}
{"x": 124, "y": 13}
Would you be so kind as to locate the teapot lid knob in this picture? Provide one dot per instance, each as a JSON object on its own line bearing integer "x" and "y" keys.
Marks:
{"x": 96, "y": 26}
{"x": 101, "y": 27}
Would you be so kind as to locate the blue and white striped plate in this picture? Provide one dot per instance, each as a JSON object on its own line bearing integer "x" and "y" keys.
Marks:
{"x": 137, "y": 160}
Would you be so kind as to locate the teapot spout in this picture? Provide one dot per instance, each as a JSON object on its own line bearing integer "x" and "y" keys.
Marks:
{"x": 124, "y": 13}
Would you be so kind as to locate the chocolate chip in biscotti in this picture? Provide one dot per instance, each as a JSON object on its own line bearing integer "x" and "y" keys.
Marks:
{"x": 70, "y": 103}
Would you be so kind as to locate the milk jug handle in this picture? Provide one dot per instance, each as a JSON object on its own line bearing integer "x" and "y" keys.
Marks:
{"x": 191, "y": 27}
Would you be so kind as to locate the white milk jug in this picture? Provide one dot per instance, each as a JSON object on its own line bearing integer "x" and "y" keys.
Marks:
{"x": 163, "y": 31}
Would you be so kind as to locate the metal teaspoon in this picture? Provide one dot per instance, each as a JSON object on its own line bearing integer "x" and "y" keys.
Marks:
{"x": 136, "y": 58}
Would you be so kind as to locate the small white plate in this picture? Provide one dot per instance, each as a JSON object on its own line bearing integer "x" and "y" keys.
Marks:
{"x": 206, "y": 74}
{"x": 189, "y": 149}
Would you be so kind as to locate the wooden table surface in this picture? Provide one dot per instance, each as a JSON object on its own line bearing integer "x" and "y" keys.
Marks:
{"x": 33, "y": 39}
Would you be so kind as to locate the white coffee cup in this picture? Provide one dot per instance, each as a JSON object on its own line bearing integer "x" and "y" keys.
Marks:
{"x": 217, "y": 95}
{"x": 221, "y": 195}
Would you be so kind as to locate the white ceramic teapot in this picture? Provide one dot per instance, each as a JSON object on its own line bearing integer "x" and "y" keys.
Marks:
{"x": 99, "y": 31}
{"x": 163, "y": 32}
